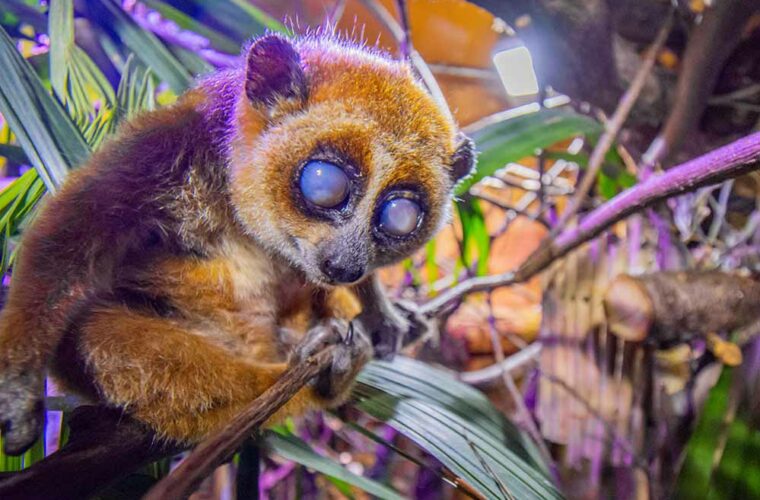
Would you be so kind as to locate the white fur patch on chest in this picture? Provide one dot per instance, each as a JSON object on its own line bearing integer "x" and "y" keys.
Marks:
{"x": 253, "y": 273}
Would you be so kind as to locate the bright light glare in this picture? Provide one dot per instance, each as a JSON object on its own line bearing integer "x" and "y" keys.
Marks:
{"x": 515, "y": 68}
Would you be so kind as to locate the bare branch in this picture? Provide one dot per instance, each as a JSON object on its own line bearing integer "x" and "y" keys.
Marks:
{"x": 514, "y": 392}
{"x": 217, "y": 448}
{"x": 613, "y": 126}
{"x": 511, "y": 363}
{"x": 502, "y": 487}
{"x": 710, "y": 44}
{"x": 419, "y": 65}
{"x": 724, "y": 163}
{"x": 670, "y": 307}
{"x": 405, "y": 42}
{"x": 513, "y": 211}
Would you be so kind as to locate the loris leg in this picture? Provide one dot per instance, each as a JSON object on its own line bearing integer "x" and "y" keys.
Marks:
{"x": 389, "y": 325}
{"x": 182, "y": 385}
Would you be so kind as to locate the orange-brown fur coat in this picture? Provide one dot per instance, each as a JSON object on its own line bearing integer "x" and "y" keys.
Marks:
{"x": 165, "y": 275}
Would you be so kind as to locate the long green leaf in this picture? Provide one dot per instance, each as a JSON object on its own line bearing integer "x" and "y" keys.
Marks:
{"x": 16, "y": 202}
{"x": 183, "y": 20}
{"x": 14, "y": 189}
{"x": 448, "y": 419}
{"x": 295, "y": 449}
{"x": 518, "y": 137}
{"x": 143, "y": 44}
{"x": 237, "y": 19}
{"x": 474, "y": 234}
{"x": 136, "y": 90}
{"x": 49, "y": 138}
{"x": 698, "y": 466}
{"x": 76, "y": 80}
{"x": 191, "y": 61}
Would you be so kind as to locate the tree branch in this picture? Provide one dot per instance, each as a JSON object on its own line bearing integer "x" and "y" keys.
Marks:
{"x": 513, "y": 363}
{"x": 214, "y": 450}
{"x": 710, "y": 45}
{"x": 669, "y": 307}
{"x": 730, "y": 161}
{"x": 401, "y": 34}
{"x": 405, "y": 43}
{"x": 613, "y": 126}
{"x": 104, "y": 445}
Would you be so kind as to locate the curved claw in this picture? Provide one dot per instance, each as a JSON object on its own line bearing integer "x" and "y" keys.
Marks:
{"x": 352, "y": 351}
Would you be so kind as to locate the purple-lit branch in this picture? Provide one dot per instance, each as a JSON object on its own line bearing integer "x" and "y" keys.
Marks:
{"x": 730, "y": 161}
{"x": 405, "y": 42}
{"x": 724, "y": 163}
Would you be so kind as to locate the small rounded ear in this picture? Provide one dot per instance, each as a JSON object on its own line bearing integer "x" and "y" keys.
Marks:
{"x": 273, "y": 71}
{"x": 463, "y": 159}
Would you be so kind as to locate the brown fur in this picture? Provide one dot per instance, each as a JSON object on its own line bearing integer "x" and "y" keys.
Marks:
{"x": 166, "y": 275}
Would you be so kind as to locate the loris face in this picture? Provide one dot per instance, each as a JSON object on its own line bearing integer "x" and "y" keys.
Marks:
{"x": 340, "y": 162}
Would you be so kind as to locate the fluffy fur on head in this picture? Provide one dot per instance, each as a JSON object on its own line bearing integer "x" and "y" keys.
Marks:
{"x": 354, "y": 107}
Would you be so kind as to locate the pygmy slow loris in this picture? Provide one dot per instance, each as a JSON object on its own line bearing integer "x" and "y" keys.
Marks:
{"x": 165, "y": 275}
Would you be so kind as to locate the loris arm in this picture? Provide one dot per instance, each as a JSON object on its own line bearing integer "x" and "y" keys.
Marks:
{"x": 59, "y": 268}
{"x": 71, "y": 251}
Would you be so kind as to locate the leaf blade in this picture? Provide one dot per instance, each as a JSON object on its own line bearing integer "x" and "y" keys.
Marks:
{"x": 142, "y": 43}
{"x": 42, "y": 127}
{"x": 293, "y": 448}
{"x": 435, "y": 410}
{"x": 518, "y": 137}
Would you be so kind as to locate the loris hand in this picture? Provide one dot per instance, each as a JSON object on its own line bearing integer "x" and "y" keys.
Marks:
{"x": 352, "y": 351}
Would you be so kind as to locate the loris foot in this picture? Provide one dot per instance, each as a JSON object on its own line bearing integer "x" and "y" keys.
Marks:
{"x": 352, "y": 351}
{"x": 395, "y": 326}
{"x": 21, "y": 410}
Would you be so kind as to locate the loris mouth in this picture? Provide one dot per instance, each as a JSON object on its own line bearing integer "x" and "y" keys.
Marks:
{"x": 321, "y": 279}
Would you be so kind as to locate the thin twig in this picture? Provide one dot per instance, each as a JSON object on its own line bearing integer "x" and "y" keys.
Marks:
{"x": 419, "y": 65}
{"x": 727, "y": 162}
{"x": 509, "y": 384}
{"x": 215, "y": 449}
{"x": 465, "y": 72}
{"x": 541, "y": 168}
{"x": 613, "y": 126}
{"x": 444, "y": 473}
{"x": 405, "y": 43}
{"x": 335, "y": 14}
{"x": 742, "y": 93}
{"x": 510, "y": 208}
{"x": 527, "y": 199}
{"x": 489, "y": 470}
{"x": 510, "y": 364}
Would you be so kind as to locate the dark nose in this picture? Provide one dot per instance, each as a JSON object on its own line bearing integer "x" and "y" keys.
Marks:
{"x": 341, "y": 272}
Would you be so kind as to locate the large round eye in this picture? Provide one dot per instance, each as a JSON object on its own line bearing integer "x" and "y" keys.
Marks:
{"x": 324, "y": 184}
{"x": 399, "y": 216}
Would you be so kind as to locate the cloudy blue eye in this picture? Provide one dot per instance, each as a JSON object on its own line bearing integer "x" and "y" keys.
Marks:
{"x": 324, "y": 184}
{"x": 399, "y": 216}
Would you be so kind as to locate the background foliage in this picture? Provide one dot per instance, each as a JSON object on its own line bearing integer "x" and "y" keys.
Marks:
{"x": 73, "y": 71}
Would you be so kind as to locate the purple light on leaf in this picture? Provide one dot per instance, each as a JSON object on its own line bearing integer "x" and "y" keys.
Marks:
{"x": 169, "y": 31}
